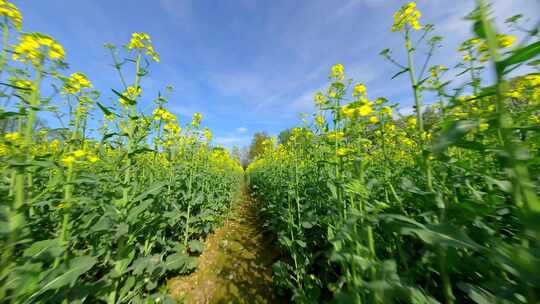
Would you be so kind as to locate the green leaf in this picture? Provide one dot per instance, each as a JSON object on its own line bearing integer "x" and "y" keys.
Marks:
{"x": 135, "y": 211}
{"x": 77, "y": 267}
{"x": 124, "y": 258}
{"x": 478, "y": 28}
{"x": 453, "y": 134}
{"x": 15, "y": 87}
{"x": 180, "y": 262}
{"x": 5, "y": 115}
{"x": 104, "y": 223}
{"x": 521, "y": 55}
{"x": 129, "y": 101}
{"x": 152, "y": 189}
{"x": 477, "y": 294}
{"x": 400, "y": 72}
{"x": 433, "y": 234}
{"x": 39, "y": 249}
{"x": 130, "y": 282}
{"x": 105, "y": 109}
{"x": 140, "y": 150}
{"x": 196, "y": 246}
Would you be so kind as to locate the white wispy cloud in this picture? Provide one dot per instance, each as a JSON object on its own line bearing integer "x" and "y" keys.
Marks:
{"x": 229, "y": 141}
{"x": 241, "y": 130}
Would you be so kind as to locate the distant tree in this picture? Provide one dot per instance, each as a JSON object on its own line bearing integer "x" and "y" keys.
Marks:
{"x": 235, "y": 153}
{"x": 218, "y": 148}
{"x": 284, "y": 136}
{"x": 10, "y": 124}
{"x": 244, "y": 160}
{"x": 256, "y": 148}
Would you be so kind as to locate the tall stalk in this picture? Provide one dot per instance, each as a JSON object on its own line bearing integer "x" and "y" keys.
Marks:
{"x": 447, "y": 285}
{"x": 131, "y": 131}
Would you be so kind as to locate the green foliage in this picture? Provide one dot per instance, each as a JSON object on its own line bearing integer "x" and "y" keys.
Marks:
{"x": 256, "y": 147}
{"x": 104, "y": 218}
{"x": 439, "y": 206}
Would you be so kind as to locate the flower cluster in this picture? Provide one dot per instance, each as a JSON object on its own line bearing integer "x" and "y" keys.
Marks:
{"x": 208, "y": 134}
{"x": 11, "y": 12}
{"x": 130, "y": 95}
{"x": 12, "y": 137}
{"x": 359, "y": 90}
{"x": 361, "y": 107}
{"x": 528, "y": 86}
{"x": 24, "y": 84}
{"x": 338, "y": 72}
{"x": 36, "y": 47}
{"x": 407, "y": 17}
{"x": 142, "y": 41}
{"x": 320, "y": 99}
{"x": 78, "y": 155}
{"x": 172, "y": 127}
{"x": 196, "y": 119}
{"x": 335, "y": 135}
{"x": 163, "y": 114}
{"x": 480, "y": 47}
{"x": 76, "y": 82}
{"x": 319, "y": 120}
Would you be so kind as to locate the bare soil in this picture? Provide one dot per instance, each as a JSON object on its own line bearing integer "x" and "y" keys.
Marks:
{"x": 236, "y": 264}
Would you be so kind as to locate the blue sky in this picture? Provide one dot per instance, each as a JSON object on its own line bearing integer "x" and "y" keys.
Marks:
{"x": 249, "y": 65}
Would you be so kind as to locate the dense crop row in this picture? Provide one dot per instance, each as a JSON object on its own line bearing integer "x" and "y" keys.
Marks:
{"x": 101, "y": 216}
{"x": 373, "y": 207}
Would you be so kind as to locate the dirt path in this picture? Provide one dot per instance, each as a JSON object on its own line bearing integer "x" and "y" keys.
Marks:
{"x": 236, "y": 264}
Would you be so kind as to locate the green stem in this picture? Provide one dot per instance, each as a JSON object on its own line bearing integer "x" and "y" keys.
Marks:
{"x": 131, "y": 127}
{"x": 5, "y": 41}
{"x": 523, "y": 192}
{"x": 447, "y": 285}
{"x": 414, "y": 83}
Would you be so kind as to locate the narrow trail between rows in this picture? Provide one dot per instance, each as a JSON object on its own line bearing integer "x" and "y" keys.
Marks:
{"x": 236, "y": 264}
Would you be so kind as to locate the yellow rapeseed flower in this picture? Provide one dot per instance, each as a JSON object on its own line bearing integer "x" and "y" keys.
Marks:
{"x": 142, "y": 41}
{"x": 55, "y": 144}
{"x": 374, "y": 119}
{"x": 208, "y": 134}
{"x": 130, "y": 94}
{"x": 407, "y": 16}
{"x": 24, "y": 84}
{"x": 365, "y": 110}
{"x": 348, "y": 110}
{"x": 172, "y": 127}
{"x": 197, "y": 117}
{"x": 506, "y": 41}
{"x": 343, "y": 151}
{"x": 483, "y": 126}
{"x": 407, "y": 141}
{"x": 68, "y": 160}
{"x": 79, "y": 153}
{"x": 338, "y": 71}
{"x": 162, "y": 114}
{"x": 386, "y": 110}
{"x": 426, "y": 136}
{"x": 319, "y": 99}
{"x": 76, "y": 82}
{"x": 11, "y": 12}
{"x": 336, "y": 135}
{"x": 4, "y": 149}
{"x": 359, "y": 89}
{"x": 319, "y": 120}
{"x": 12, "y": 136}
{"x": 36, "y": 47}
